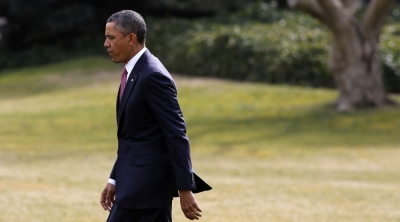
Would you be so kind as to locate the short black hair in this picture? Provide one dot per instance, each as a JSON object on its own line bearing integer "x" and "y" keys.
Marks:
{"x": 128, "y": 21}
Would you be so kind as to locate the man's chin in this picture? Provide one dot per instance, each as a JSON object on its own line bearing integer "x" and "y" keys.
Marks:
{"x": 115, "y": 60}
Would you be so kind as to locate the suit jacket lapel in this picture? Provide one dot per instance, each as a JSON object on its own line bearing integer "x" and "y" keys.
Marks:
{"x": 130, "y": 83}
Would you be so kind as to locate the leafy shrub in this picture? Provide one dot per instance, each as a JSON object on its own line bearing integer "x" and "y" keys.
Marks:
{"x": 39, "y": 55}
{"x": 205, "y": 6}
{"x": 390, "y": 46}
{"x": 259, "y": 43}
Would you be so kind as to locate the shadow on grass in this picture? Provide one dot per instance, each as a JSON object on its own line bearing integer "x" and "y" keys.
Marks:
{"x": 320, "y": 127}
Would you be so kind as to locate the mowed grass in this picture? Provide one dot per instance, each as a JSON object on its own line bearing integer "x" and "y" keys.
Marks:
{"x": 272, "y": 153}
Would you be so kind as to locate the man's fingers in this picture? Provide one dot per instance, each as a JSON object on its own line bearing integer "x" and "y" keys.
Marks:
{"x": 193, "y": 215}
{"x": 189, "y": 206}
{"x": 196, "y": 208}
{"x": 110, "y": 199}
{"x": 107, "y": 197}
{"x": 196, "y": 213}
{"x": 102, "y": 199}
{"x": 103, "y": 205}
{"x": 188, "y": 216}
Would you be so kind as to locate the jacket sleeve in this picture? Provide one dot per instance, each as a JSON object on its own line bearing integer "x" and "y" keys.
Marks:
{"x": 161, "y": 95}
{"x": 112, "y": 175}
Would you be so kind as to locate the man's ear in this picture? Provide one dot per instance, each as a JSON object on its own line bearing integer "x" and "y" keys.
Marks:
{"x": 132, "y": 38}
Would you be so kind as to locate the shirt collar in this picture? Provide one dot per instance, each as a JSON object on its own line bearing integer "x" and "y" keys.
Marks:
{"x": 129, "y": 66}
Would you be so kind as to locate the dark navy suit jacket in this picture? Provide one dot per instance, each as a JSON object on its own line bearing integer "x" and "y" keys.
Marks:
{"x": 153, "y": 149}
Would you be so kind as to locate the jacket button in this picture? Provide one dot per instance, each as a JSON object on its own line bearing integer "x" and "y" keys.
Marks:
{"x": 119, "y": 140}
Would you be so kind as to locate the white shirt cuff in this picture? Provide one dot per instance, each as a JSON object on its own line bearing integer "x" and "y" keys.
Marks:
{"x": 111, "y": 181}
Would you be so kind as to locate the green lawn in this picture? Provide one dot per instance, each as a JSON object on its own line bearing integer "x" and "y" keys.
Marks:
{"x": 272, "y": 153}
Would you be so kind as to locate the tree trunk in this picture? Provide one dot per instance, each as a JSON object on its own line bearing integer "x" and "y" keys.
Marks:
{"x": 355, "y": 64}
{"x": 355, "y": 60}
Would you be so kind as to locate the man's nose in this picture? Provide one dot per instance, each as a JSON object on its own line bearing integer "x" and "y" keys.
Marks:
{"x": 106, "y": 44}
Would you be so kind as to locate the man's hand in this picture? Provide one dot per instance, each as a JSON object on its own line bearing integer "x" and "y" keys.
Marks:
{"x": 107, "y": 197}
{"x": 189, "y": 205}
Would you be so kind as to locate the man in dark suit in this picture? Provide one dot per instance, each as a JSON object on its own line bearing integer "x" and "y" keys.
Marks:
{"x": 153, "y": 162}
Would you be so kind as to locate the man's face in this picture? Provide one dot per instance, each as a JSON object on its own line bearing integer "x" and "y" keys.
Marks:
{"x": 118, "y": 45}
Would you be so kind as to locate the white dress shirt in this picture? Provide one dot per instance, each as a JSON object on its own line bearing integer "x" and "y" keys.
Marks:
{"x": 129, "y": 67}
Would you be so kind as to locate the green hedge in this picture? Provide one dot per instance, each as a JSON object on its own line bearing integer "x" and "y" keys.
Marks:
{"x": 207, "y": 6}
{"x": 390, "y": 47}
{"x": 260, "y": 43}
{"x": 45, "y": 54}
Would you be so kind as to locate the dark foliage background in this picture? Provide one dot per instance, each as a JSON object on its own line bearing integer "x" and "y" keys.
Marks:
{"x": 32, "y": 22}
{"x": 245, "y": 40}
{"x": 262, "y": 44}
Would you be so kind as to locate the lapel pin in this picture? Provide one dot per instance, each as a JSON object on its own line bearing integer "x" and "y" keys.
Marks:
{"x": 131, "y": 80}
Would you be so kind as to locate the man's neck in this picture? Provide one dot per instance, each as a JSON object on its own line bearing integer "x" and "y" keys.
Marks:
{"x": 136, "y": 50}
{"x": 132, "y": 62}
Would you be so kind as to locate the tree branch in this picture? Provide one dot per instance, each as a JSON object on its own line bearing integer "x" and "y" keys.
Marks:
{"x": 352, "y": 5}
{"x": 356, "y": 5}
{"x": 309, "y": 6}
{"x": 334, "y": 10}
{"x": 375, "y": 17}
{"x": 348, "y": 3}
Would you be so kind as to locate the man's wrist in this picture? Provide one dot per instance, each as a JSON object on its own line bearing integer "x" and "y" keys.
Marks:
{"x": 111, "y": 181}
